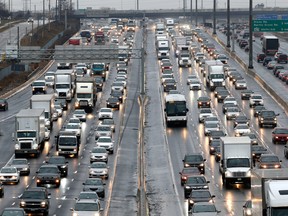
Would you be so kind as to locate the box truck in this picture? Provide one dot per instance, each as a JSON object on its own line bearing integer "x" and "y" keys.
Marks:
{"x": 214, "y": 72}
{"x": 64, "y": 85}
{"x": 29, "y": 132}
{"x": 270, "y": 45}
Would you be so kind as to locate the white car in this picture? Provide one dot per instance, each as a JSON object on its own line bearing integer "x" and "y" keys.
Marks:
{"x": 241, "y": 129}
{"x": 118, "y": 86}
{"x": 47, "y": 134}
{"x": 75, "y": 121}
{"x": 121, "y": 79}
{"x": 232, "y": 112}
{"x": 9, "y": 175}
{"x": 211, "y": 119}
{"x": 240, "y": 84}
{"x": 98, "y": 154}
{"x": 80, "y": 114}
{"x": 21, "y": 164}
{"x": 106, "y": 142}
{"x": 256, "y": 99}
{"x": 108, "y": 122}
{"x": 83, "y": 66}
{"x": 190, "y": 78}
{"x": 87, "y": 207}
{"x": 49, "y": 78}
{"x": 103, "y": 130}
{"x": 99, "y": 169}
{"x": 195, "y": 84}
{"x": 58, "y": 109}
{"x": 199, "y": 56}
{"x": 230, "y": 100}
{"x": 203, "y": 113}
{"x": 166, "y": 76}
{"x": 208, "y": 127}
{"x": 73, "y": 128}
{"x": 122, "y": 74}
{"x": 105, "y": 113}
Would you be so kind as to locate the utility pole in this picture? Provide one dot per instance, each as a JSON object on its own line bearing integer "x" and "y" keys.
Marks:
{"x": 137, "y": 5}
{"x": 43, "y": 18}
{"x": 196, "y": 10}
{"x": 49, "y": 8}
{"x": 191, "y": 12}
{"x": 250, "y": 66}
{"x": 214, "y": 17}
{"x": 228, "y": 24}
{"x": 184, "y": 8}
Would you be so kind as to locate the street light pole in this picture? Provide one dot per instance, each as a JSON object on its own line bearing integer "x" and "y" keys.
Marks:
{"x": 228, "y": 24}
{"x": 250, "y": 35}
{"x": 214, "y": 17}
{"x": 196, "y": 10}
{"x": 191, "y": 12}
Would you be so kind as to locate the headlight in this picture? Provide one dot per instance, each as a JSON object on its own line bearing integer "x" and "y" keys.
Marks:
{"x": 206, "y": 186}
{"x": 248, "y": 174}
{"x": 17, "y": 146}
{"x": 263, "y": 166}
{"x": 35, "y": 146}
{"x": 277, "y": 166}
{"x": 191, "y": 201}
{"x": 228, "y": 174}
{"x": 187, "y": 187}
{"x": 22, "y": 203}
{"x": 63, "y": 166}
{"x": 201, "y": 165}
{"x": 43, "y": 204}
{"x": 186, "y": 165}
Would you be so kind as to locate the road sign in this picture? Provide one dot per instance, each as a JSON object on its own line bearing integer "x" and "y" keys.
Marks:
{"x": 270, "y": 25}
{"x": 267, "y": 17}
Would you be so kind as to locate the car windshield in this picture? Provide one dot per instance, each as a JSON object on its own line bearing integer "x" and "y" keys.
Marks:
{"x": 102, "y": 128}
{"x": 19, "y": 161}
{"x": 256, "y": 97}
{"x": 38, "y": 84}
{"x": 86, "y": 207}
{"x": 33, "y": 195}
{"x": 200, "y": 194}
{"x": 56, "y": 160}
{"x": 88, "y": 195}
{"x": 8, "y": 170}
{"x": 242, "y": 127}
{"x": 281, "y": 131}
{"x": 205, "y": 111}
{"x": 99, "y": 150}
{"x": 204, "y": 208}
{"x": 269, "y": 159}
{"x": 104, "y": 139}
{"x": 98, "y": 165}
{"x": 105, "y": 110}
{"x": 72, "y": 126}
{"x": 48, "y": 170}
{"x": 108, "y": 121}
{"x": 79, "y": 112}
{"x": 93, "y": 181}
{"x": 238, "y": 162}
{"x": 194, "y": 158}
{"x": 196, "y": 180}
{"x": 12, "y": 212}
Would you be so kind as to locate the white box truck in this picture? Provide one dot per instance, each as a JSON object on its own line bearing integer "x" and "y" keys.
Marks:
{"x": 45, "y": 102}
{"x": 269, "y": 191}
{"x": 86, "y": 93}
{"x": 160, "y": 28}
{"x": 163, "y": 49}
{"x": 124, "y": 54}
{"x": 67, "y": 143}
{"x": 214, "y": 72}
{"x": 236, "y": 161}
{"x": 64, "y": 85}
{"x": 29, "y": 132}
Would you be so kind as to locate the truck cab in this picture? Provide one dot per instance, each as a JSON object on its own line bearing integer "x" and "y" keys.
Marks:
{"x": 67, "y": 143}
{"x": 99, "y": 69}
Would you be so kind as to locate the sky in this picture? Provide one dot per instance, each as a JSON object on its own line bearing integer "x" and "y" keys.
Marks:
{"x": 143, "y": 4}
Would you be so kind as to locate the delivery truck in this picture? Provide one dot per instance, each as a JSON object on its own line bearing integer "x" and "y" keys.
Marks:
{"x": 29, "y": 132}
{"x": 214, "y": 72}
{"x": 64, "y": 85}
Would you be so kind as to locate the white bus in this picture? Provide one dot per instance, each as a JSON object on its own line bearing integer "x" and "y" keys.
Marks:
{"x": 175, "y": 110}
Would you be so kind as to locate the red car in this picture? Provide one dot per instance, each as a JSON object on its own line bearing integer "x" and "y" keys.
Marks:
{"x": 186, "y": 172}
{"x": 280, "y": 135}
{"x": 260, "y": 57}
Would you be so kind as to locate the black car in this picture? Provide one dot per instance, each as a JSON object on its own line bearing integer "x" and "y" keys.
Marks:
{"x": 199, "y": 196}
{"x": 48, "y": 174}
{"x": 3, "y": 104}
{"x": 226, "y": 106}
{"x": 246, "y": 94}
{"x": 241, "y": 119}
{"x": 169, "y": 84}
{"x": 219, "y": 88}
{"x": 62, "y": 102}
{"x": 195, "y": 160}
{"x": 204, "y": 102}
{"x": 266, "y": 60}
{"x": 95, "y": 184}
{"x": 197, "y": 182}
{"x": 117, "y": 94}
{"x": 243, "y": 44}
{"x": 113, "y": 102}
{"x": 222, "y": 95}
{"x": 257, "y": 109}
{"x": 257, "y": 151}
{"x": 214, "y": 135}
{"x": 61, "y": 163}
{"x": 213, "y": 145}
{"x": 99, "y": 83}
{"x": 35, "y": 200}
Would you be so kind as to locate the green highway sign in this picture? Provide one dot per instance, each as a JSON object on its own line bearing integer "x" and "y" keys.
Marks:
{"x": 270, "y": 25}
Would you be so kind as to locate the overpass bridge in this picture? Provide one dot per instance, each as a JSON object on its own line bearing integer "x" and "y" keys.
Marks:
{"x": 204, "y": 14}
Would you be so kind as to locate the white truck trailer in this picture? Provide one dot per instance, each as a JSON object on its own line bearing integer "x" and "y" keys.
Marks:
{"x": 45, "y": 102}
{"x": 64, "y": 85}
{"x": 269, "y": 191}
{"x": 214, "y": 72}
{"x": 29, "y": 132}
{"x": 86, "y": 93}
{"x": 163, "y": 49}
{"x": 236, "y": 160}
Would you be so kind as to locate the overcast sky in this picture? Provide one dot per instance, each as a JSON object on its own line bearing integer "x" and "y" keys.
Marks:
{"x": 143, "y": 4}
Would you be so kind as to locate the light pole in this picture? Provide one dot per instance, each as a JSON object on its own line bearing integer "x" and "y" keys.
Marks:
{"x": 191, "y": 12}
{"x": 250, "y": 35}
{"x": 214, "y": 17}
{"x": 228, "y": 24}
{"x": 196, "y": 11}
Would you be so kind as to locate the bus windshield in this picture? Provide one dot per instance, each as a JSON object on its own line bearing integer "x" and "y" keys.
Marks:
{"x": 176, "y": 108}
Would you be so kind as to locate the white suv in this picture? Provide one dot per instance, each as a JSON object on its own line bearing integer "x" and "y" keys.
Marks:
{"x": 256, "y": 99}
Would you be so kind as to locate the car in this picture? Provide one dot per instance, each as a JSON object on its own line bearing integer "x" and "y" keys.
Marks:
{"x": 62, "y": 103}
{"x": 195, "y": 160}
{"x": 81, "y": 114}
{"x": 203, "y": 113}
{"x": 3, "y": 104}
{"x": 87, "y": 207}
{"x": 117, "y": 94}
{"x": 105, "y": 113}
{"x": 47, "y": 134}
{"x": 108, "y": 122}
{"x": 208, "y": 127}
{"x": 255, "y": 99}
{"x": 230, "y": 99}
{"x": 226, "y": 106}
{"x": 35, "y": 200}
{"x": 75, "y": 121}
{"x": 204, "y": 102}
{"x": 191, "y": 77}
{"x": 243, "y": 43}
{"x": 60, "y": 162}
{"x": 82, "y": 66}
{"x": 166, "y": 76}
{"x": 188, "y": 171}
{"x": 195, "y": 182}
{"x": 271, "y": 65}
{"x": 217, "y": 89}
{"x": 257, "y": 151}
{"x": 247, "y": 208}
{"x": 223, "y": 58}
{"x": 277, "y": 54}
{"x": 98, "y": 154}
{"x": 195, "y": 85}
{"x": 240, "y": 84}
{"x": 211, "y": 119}
{"x": 266, "y": 60}
{"x": 269, "y": 161}
{"x": 241, "y": 119}
{"x": 253, "y": 138}
{"x": 221, "y": 95}
{"x": 215, "y": 135}
{"x": 260, "y": 57}
{"x": 198, "y": 56}
{"x": 118, "y": 86}
{"x": 241, "y": 129}
{"x": 246, "y": 94}
{"x": 79, "y": 72}
{"x": 204, "y": 208}
{"x": 30, "y": 19}
{"x": 87, "y": 195}
{"x": 103, "y": 130}
{"x": 74, "y": 128}
{"x": 166, "y": 65}
{"x": 39, "y": 87}
{"x": 267, "y": 117}
{"x": 257, "y": 109}
{"x": 106, "y": 142}
{"x": 212, "y": 146}
{"x": 280, "y": 135}
{"x": 13, "y": 212}
{"x": 58, "y": 109}
{"x": 122, "y": 74}
{"x": 9, "y": 175}
{"x": 21, "y": 164}
{"x": 169, "y": 84}
{"x": 282, "y": 58}
{"x": 48, "y": 174}
{"x": 199, "y": 196}
{"x": 113, "y": 102}
{"x": 95, "y": 184}
{"x": 99, "y": 83}
{"x": 99, "y": 169}
{"x": 277, "y": 67}
{"x": 232, "y": 113}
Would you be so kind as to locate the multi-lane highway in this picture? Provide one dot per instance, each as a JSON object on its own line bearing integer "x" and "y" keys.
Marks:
{"x": 164, "y": 147}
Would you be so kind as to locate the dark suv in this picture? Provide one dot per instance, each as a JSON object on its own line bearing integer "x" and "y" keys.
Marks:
{"x": 195, "y": 160}
{"x": 282, "y": 58}
{"x": 35, "y": 200}
{"x": 260, "y": 57}
{"x": 267, "y": 117}
{"x": 48, "y": 174}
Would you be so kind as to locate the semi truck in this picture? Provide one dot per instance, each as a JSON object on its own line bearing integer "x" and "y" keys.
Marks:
{"x": 45, "y": 102}
{"x": 236, "y": 160}
{"x": 214, "y": 72}
{"x": 29, "y": 132}
{"x": 269, "y": 192}
{"x": 160, "y": 28}
{"x": 178, "y": 43}
{"x": 123, "y": 54}
{"x": 67, "y": 143}
{"x": 99, "y": 38}
{"x": 64, "y": 85}
{"x": 86, "y": 93}
{"x": 98, "y": 69}
{"x": 270, "y": 45}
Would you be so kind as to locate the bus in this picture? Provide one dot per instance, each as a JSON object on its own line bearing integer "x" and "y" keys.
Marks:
{"x": 175, "y": 110}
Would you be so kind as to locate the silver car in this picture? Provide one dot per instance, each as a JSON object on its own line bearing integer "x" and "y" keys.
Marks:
{"x": 99, "y": 169}
{"x": 106, "y": 142}
{"x": 22, "y": 165}
{"x": 9, "y": 175}
{"x": 103, "y": 130}
{"x": 87, "y": 207}
{"x": 98, "y": 154}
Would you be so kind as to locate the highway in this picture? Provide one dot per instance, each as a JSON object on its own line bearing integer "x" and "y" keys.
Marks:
{"x": 164, "y": 147}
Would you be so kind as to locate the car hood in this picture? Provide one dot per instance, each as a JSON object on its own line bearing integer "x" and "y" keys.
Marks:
{"x": 204, "y": 214}
{"x": 86, "y": 213}
{"x": 98, "y": 154}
